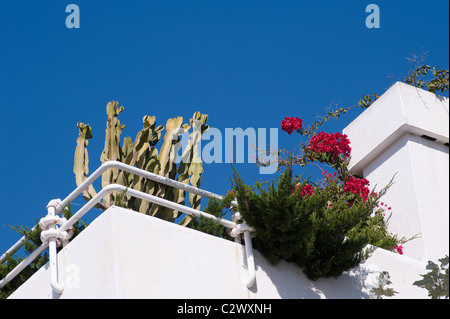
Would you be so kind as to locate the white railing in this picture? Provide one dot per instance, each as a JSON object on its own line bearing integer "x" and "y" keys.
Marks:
{"x": 52, "y": 233}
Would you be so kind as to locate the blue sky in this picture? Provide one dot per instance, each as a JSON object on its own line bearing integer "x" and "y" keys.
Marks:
{"x": 244, "y": 63}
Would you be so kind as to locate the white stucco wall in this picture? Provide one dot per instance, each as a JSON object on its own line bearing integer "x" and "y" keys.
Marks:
{"x": 401, "y": 109}
{"x": 125, "y": 254}
{"x": 419, "y": 195}
{"x": 387, "y": 140}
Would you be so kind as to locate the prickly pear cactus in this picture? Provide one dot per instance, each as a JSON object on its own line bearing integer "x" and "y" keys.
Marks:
{"x": 143, "y": 154}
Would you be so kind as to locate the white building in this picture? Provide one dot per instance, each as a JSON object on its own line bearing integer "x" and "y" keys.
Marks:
{"x": 124, "y": 254}
{"x": 406, "y": 133}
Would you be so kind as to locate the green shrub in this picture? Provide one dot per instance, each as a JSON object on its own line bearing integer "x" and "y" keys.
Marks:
{"x": 326, "y": 232}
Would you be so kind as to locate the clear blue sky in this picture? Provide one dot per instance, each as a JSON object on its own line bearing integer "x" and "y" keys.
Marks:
{"x": 244, "y": 63}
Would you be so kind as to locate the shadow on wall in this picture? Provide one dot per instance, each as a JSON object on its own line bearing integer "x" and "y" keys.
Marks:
{"x": 291, "y": 283}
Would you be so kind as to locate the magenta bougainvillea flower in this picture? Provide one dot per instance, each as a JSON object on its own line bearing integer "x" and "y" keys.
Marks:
{"x": 291, "y": 124}
{"x": 305, "y": 190}
{"x": 398, "y": 249}
{"x": 357, "y": 186}
{"x": 332, "y": 143}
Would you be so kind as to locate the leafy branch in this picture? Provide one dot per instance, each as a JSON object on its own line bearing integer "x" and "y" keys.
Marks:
{"x": 439, "y": 82}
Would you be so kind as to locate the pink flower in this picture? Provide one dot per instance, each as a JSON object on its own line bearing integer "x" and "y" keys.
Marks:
{"x": 305, "y": 191}
{"x": 357, "y": 186}
{"x": 331, "y": 143}
{"x": 290, "y": 124}
{"x": 399, "y": 249}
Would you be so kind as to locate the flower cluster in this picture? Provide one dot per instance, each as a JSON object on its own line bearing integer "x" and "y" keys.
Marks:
{"x": 357, "y": 186}
{"x": 304, "y": 190}
{"x": 331, "y": 143}
{"x": 330, "y": 213}
{"x": 291, "y": 124}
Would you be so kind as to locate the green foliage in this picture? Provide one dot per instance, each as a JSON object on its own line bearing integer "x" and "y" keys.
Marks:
{"x": 33, "y": 241}
{"x": 438, "y": 82}
{"x": 210, "y": 226}
{"x": 436, "y": 280}
{"x": 322, "y": 233}
{"x": 380, "y": 289}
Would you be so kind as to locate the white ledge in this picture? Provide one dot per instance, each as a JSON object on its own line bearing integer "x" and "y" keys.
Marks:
{"x": 125, "y": 254}
{"x": 400, "y": 110}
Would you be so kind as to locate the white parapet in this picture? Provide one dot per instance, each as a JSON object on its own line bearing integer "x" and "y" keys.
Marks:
{"x": 125, "y": 254}
{"x": 406, "y": 133}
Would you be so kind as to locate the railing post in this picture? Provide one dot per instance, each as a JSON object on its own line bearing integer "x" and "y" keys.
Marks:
{"x": 250, "y": 259}
{"x": 51, "y": 234}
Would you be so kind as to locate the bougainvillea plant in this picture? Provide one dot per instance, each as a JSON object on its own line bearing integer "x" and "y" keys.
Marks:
{"x": 327, "y": 226}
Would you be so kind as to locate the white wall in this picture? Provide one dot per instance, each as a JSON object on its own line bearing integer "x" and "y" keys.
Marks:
{"x": 125, "y": 254}
{"x": 419, "y": 196}
{"x": 387, "y": 140}
{"x": 401, "y": 109}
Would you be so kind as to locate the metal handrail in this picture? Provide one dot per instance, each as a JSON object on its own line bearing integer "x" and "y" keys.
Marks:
{"x": 131, "y": 169}
{"x": 237, "y": 229}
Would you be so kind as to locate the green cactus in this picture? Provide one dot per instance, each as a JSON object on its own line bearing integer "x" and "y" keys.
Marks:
{"x": 143, "y": 154}
{"x": 168, "y": 166}
{"x": 191, "y": 166}
{"x": 81, "y": 160}
{"x": 112, "y": 150}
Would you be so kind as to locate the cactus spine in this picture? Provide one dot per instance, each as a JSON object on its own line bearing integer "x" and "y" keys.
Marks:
{"x": 142, "y": 153}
